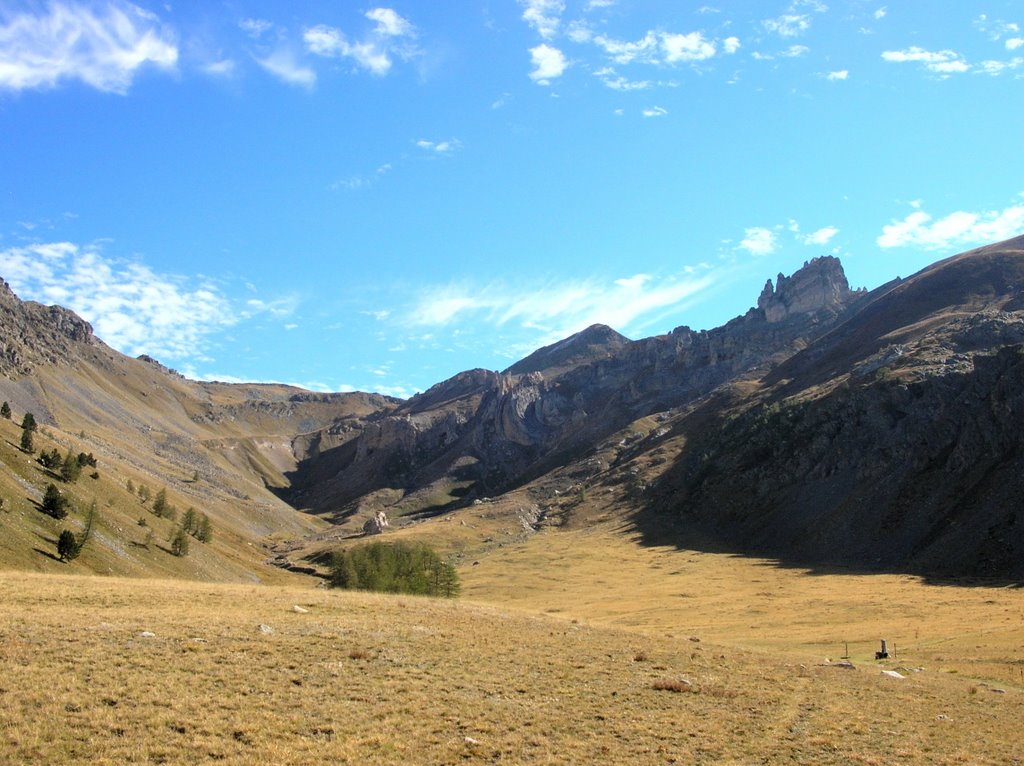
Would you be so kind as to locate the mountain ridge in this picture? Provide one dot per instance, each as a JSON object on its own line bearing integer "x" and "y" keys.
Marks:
{"x": 715, "y": 432}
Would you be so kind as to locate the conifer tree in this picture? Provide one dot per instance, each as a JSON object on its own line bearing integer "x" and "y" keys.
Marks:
{"x": 90, "y": 517}
{"x": 204, "y": 532}
{"x": 27, "y": 443}
{"x": 179, "y": 542}
{"x": 67, "y": 546}
{"x": 28, "y": 422}
{"x": 160, "y": 502}
{"x": 54, "y": 503}
{"x": 5, "y": 411}
{"x": 71, "y": 469}
{"x": 190, "y": 522}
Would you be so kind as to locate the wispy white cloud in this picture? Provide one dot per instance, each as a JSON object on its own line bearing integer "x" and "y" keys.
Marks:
{"x": 730, "y": 45}
{"x": 284, "y": 65}
{"x": 958, "y": 229}
{"x": 995, "y": 68}
{"x": 552, "y": 311}
{"x": 657, "y": 48}
{"x": 822, "y": 236}
{"x": 543, "y": 15}
{"x": 788, "y": 24}
{"x": 948, "y": 62}
{"x": 943, "y": 62}
{"x": 548, "y": 63}
{"x": 880, "y": 12}
{"x": 440, "y": 147}
{"x": 616, "y": 81}
{"x": 1013, "y": 43}
{"x": 758, "y": 240}
{"x": 104, "y": 48}
{"x": 131, "y": 307}
{"x": 655, "y": 111}
{"x": 255, "y": 28}
{"x": 391, "y": 37}
{"x": 355, "y": 182}
{"x": 996, "y": 29}
{"x": 841, "y": 74}
{"x": 220, "y": 68}
{"x": 795, "y": 51}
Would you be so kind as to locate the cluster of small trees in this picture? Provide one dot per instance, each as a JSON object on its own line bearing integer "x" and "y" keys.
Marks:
{"x": 394, "y": 568}
{"x": 70, "y": 466}
{"x": 193, "y": 523}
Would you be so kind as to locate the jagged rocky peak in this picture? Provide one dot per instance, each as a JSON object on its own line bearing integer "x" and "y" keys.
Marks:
{"x": 820, "y": 285}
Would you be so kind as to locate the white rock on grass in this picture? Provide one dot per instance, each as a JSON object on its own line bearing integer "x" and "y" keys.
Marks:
{"x": 299, "y": 610}
{"x": 265, "y": 629}
{"x": 892, "y": 674}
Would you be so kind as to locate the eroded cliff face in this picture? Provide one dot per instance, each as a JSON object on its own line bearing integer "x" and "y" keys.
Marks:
{"x": 509, "y": 426}
{"x": 35, "y": 334}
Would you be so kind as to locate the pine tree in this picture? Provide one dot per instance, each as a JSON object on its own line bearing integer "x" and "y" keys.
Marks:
{"x": 27, "y": 443}
{"x": 29, "y": 422}
{"x": 71, "y": 469}
{"x": 190, "y": 522}
{"x": 204, "y": 531}
{"x": 5, "y": 411}
{"x": 67, "y": 546}
{"x": 90, "y": 517}
{"x": 131, "y": 487}
{"x": 54, "y": 503}
{"x": 179, "y": 543}
{"x": 160, "y": 502}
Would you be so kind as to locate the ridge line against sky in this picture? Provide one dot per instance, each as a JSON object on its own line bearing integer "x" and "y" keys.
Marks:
{"x": 375, "y": 198}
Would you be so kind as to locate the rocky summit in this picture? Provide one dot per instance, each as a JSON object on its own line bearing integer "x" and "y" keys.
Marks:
{"x": 827, "y": 425}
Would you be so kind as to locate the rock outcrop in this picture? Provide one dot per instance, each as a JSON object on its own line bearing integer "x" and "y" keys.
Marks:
{"x": 819, "y": 286}
{"x": 36, "y": 334}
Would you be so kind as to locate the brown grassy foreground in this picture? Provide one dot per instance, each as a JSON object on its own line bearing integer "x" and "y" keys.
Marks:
{"x": 971, "y": 629}
{"x": 372, "y": 679}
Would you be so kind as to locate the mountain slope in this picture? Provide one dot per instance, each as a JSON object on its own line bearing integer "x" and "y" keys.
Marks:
{"x": 824, "y": 425}
{"x": 213, "y": 446}
{"x": 483, "y": 433}
{"x": 893, "y": 441}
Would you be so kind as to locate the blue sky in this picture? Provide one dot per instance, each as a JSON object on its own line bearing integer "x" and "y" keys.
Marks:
{"x": 356, "y": 196}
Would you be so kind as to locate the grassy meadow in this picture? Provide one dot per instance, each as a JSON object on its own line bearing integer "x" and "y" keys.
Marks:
{"x": 571, "y": 647}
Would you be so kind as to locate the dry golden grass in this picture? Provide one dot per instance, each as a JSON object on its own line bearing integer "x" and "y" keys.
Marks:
{"x": 361, "y": 678}
{"x": 602, "y": 576}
